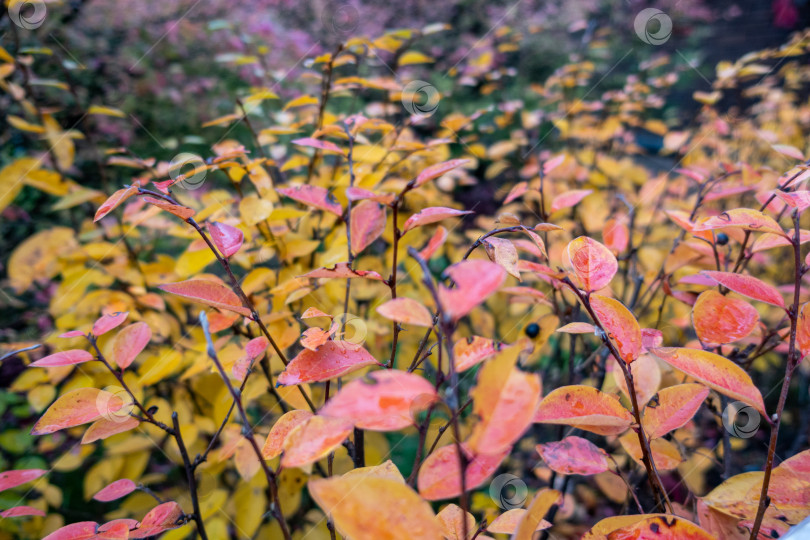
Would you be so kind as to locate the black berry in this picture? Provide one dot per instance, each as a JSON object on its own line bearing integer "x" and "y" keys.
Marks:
{"x": 532, "y": 330}
{"x": 721, "y": 239}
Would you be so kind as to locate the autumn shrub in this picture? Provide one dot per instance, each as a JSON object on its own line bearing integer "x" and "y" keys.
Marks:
{"x": 369, "y": 310}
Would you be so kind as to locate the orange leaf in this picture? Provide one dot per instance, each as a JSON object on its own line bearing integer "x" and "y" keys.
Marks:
{"x": 503, "y": 253}
{"x": 586, "y": 408}
{"x": 715, "y": 372}
{"x": 77, "y": 407}
{"x": 538, "y": 508}
{"x": 367, "y": 223}
{"x": 435, "y": 171}
{"x": 315, "y": 196}
{"x": 384, "y": 400}
{"x": 720, "y": 319}
{"x": 620, "y": 325}
{"x": 364, "y": 506}
{"x": 452, "y": 518}
{"x": 406, "y": 311}
{"x": 431, "y": 215}
{"x": 342, "y": 270}
{"x": 332, "y": 359}
{"x": 63, "y": 358}
{"x": 740, "y": 218}
{"x": 116, "y": 490}
{"x": 182, "y": 212}
{"x": 592, "y": 263}
{"x": 114, "y": 201}
{"x": 504, "y": 400}
{"x": 312, "y": 338}
{"x": 574, "y": 455}
{"x": 661, "y": 528}
{"x": 439, "y": 477}
{"x": 10, "y": 479}
{"x": 646, "y": 377}
{"x": 577, "y": 328}
{"x": 747, "y": 286}
{"x": 107, "y": 427}
{"x": 226, "y": 238}
{"x": 569, "y": 199}
{"x": 472, "y": 351}
{"x": 313, "y": 439}
{"x": 803, "y": 331}
{"x": 665, "y": 454}
{"x": 129, "y": 342}
{"x": 507, "y": 522}
{"x": 209, "y": 293}
{"x": 281, "y": 429}
{"x": 105, "y": 323}
{"x": 475, "y": 281}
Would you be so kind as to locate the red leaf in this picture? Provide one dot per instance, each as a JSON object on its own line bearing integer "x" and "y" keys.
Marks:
{"x": 676, "y": 406}
{"x": 803, "y": 330}
{"x": 209, "y": 293}
{"x": 747, "y": 286}
{"x": 333, "y": 359}
{"x": 406, "y": 311}
{"x": 278, "y": 433}
{"x": 343, "y": 271}
{"x": 114, "y": 201}
{"x": 107, "y": 322}
{"x": 253, "y": 350}
{"x": 21, "y": 511}
{"x": 10, "y": 479}
{"x": 315, "y": 196}
{"x": 382, "y": 401}
{"x": 226, "y": 238}
{"x": 129, "y": 342}
{"x": 367, "y": 223}
{"x": 715, "y": 372}
{"x": 431, "y": 215}
{"x": 83, "y": 530}
{"x": 115, "y": 490}
{"x": 64, "y": 358}
{"x": 182, "y": 212}
{"x": 312, "y": 338}
{"x": 159, "y": 519}
{"x": 620, "y": 325}
{"x": 475, "y": 281}
{"x": 569, "y": 199}
{"x": 574, "y": 455}
{"x": 592, "y": 263}
{"x": 313, "y": 439}
{"x": 720, "y": 319}
{"x": 77, "y": 407}
{"x": 435, "y": 171}
{"x": 436, "y": 241}
{"x": 586, "y": 408}
{"x": 319, "y": 144}
{"x": 439, "y": 477}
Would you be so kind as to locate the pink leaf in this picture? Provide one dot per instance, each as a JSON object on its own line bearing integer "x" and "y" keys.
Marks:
{"x": 226, "y": 238}
{"x": 129, "y": 342}
{"x": 64, "y": 358}
{"x": 367, "y": 223}
{"x": 10, "y": 479}
{"x": 431, "y": 215}
{"x": 107, "y": 322}
{"x": 21, "y": 511}
{"x": 475, "y": 281}
{"x": 574, "y": 455}
{"x": 748, "y": 286}
{"x": 315, "y": 196}
{"x": 332, "y": 359}
{"x": 116, "y": 490}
